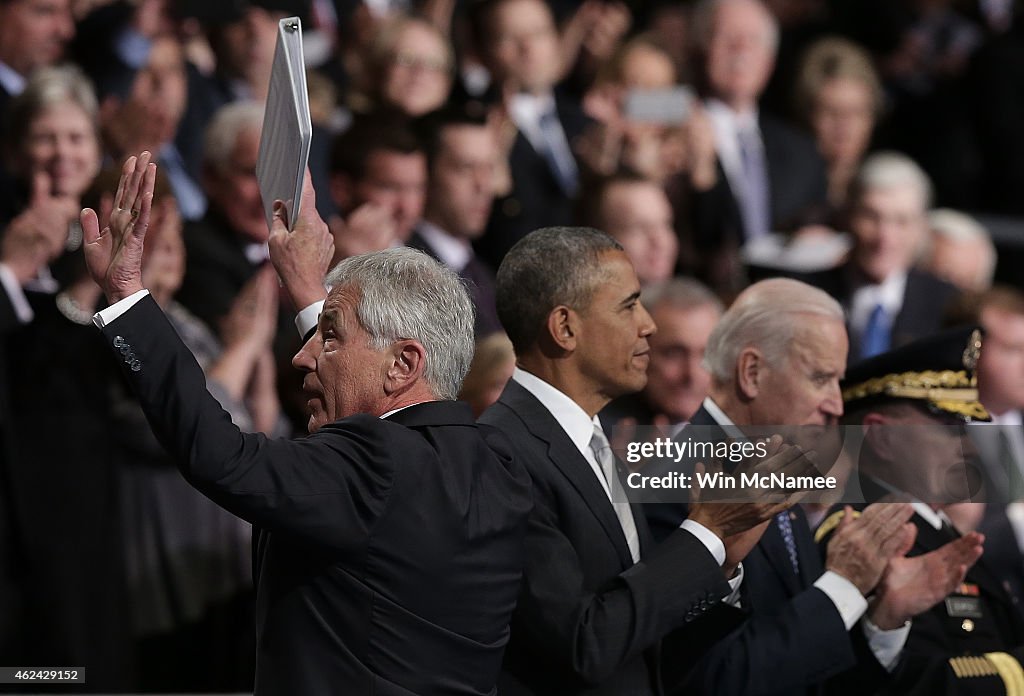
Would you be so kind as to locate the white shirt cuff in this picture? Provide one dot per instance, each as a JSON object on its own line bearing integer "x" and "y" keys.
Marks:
{"x": 886, "y": 645}
{"x": 106, "y": 316}
{"x": 16, "y": 294}
{"x": 706, "y": 537}
{"x": 307, "y": 318}
{"x": 733, "y": 598}
{"x": 844, "y": 594}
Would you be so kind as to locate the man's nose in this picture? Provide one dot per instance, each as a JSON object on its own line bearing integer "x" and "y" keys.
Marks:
{"x": 304, "y": 360}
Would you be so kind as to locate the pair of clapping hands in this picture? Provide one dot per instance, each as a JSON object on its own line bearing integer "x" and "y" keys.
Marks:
{"x": 869, "y": 550}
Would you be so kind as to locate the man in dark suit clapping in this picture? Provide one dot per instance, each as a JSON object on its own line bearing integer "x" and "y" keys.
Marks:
{"x": 598, "y": 595}
{"x": 390, "y": 540}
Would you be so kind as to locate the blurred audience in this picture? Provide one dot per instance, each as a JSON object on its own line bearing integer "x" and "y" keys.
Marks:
{"x": 491, "y": 368}
{"x": 33, "y": 34}
{"x": 229, "y": 245}
{"x": 636, "y": 212}
{"x": 520, "y": 47}
{"x": 771, "y": 174}
{"x": 959, "y": 250}
{"x": 888, "y": 301}
{"x": 378, "y": 183}
{"x": 411, "y": 68}
{"x": 143, "y": 110}
{"x": 840, "y": 96}
{"x": 461, "y": 159}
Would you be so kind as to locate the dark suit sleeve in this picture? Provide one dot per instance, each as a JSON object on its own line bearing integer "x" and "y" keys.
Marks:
{"x": 8, "y": 317}
{"x": 785, "y": 651}
{"x": 591, "y": 632}
{"x": 328, "y": 488}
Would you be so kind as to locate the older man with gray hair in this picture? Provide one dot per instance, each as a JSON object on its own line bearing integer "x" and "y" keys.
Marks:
{"x": 776, "y": 358}
{"x": 769, "y": 174}
{"x": 390, "y": 542}
{"x": 889, "y": 302}
{"x": 228, "y": 244}
{"x": 960, "y": 250}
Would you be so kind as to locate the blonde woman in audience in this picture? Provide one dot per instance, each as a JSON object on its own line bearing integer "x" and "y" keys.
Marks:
{"x": 839, "y": 93}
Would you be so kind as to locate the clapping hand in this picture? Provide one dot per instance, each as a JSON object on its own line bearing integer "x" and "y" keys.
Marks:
{"x": 114, "y": 255}
{"x": 37, "y": 236}
{"x": 914, "y": 585}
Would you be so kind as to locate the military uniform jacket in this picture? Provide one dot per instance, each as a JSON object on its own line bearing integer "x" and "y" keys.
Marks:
{"x": 970, "y": 643}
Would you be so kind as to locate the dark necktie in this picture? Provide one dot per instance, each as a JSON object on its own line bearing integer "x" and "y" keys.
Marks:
{"x": 559, "y": 161}
{"x": 754, "y": 197}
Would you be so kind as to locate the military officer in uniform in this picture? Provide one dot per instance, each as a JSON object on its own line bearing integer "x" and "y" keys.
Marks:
{"x": 911, "y": 404}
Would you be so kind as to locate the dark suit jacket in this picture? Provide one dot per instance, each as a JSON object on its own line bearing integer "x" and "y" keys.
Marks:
{"x": 797, "y": 182}
{"x": 924, "y": 303}
{"x": 216, "y": 271}
{"x": 588, "y": 620}
{"x": 536, "y": 200}
{"x": 390, "y": 551}
{"x": 790, "y": 630}
{"x": 480, "y": 282}
{"x": 941, "y": 633}
{"x": 12, "y": 567}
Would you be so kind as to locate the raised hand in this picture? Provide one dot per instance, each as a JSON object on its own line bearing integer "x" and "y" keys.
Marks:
{"x": 114, "y": 255}
{"x": 914, "y": 585}
{"x": 370, "y": 227}
{"x": 252, "y": 319}
{"x": 302, "y": 255}
{"x": 861, "y": 548}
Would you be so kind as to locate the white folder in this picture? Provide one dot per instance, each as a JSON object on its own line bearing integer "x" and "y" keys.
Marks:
{"x": 287, "y": 129}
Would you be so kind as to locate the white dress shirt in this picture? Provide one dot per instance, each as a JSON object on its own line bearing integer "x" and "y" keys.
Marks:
{"x": 889, "y": 293}
{"x": 12, "y": 81}
{"x": 727, "y": 126}
{"x": 453, "y": 252}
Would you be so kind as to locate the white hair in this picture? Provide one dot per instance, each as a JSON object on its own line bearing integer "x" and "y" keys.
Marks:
{"x": 765, "y": 316}
{"x": 405, "y": 294}
{"x": 227, "y": 124}
{"x": 960, "y": 228}
{"x": 704, "y": 21}
{"x": 889, "y": 170}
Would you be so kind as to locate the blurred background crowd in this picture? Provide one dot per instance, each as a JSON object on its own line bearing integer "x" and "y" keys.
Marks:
{"x": 874, "y": 148}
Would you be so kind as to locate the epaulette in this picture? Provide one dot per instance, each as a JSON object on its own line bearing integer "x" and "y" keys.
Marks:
{"x": 993, "y": 664}
{"x": 830, "y": 523}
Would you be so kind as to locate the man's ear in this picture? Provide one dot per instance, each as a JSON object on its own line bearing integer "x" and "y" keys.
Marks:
{"x": 750, "y": 367}
{"x": 342, "y": 192}
{"x": 408, "y": 361}
{"x": 879, "y": 433}
{"x": 563, "y": 327}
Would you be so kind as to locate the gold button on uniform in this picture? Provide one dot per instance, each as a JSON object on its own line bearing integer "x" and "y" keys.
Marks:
{"x": 967, "y": 625}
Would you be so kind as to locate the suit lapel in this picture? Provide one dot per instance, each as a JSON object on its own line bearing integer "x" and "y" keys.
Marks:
{"x": 567, "y": 459}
